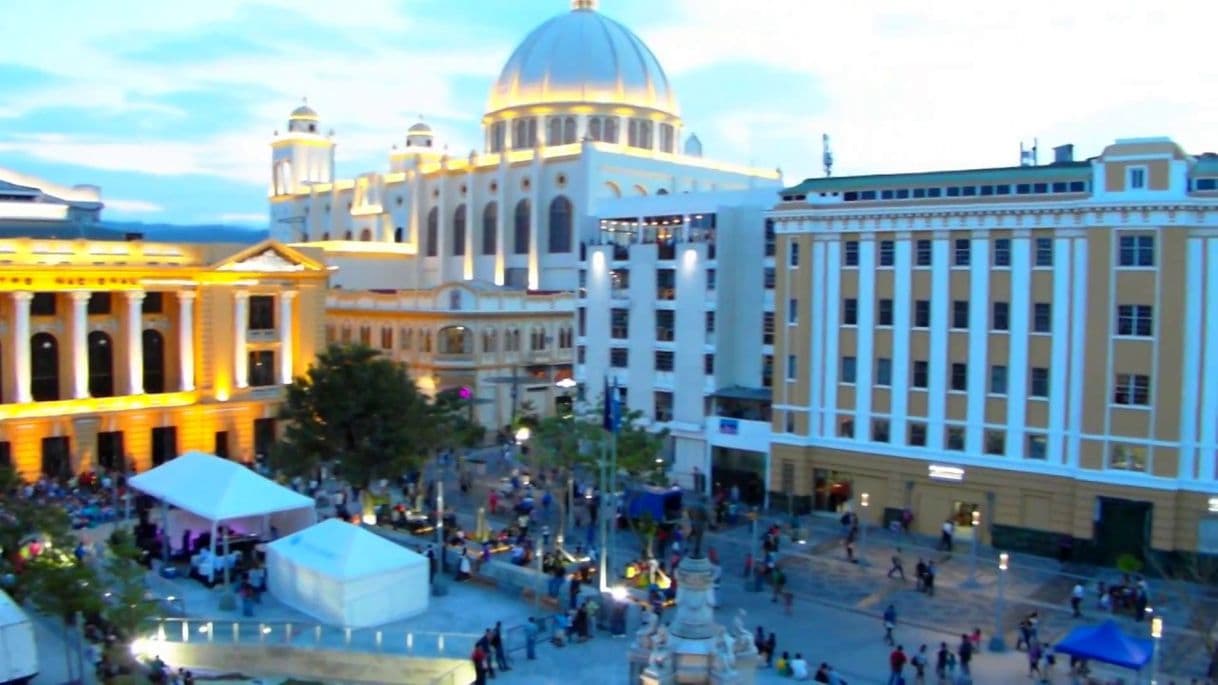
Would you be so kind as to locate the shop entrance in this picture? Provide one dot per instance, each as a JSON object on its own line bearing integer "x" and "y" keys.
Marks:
{"x": 740, "y": 468}
{"x": 830, "y": 490}
{"x": 56, "y": 460}
{"x": 1122, "y": 527}
{"x": 110, "y": 450}
{"x": 962, "y": 517}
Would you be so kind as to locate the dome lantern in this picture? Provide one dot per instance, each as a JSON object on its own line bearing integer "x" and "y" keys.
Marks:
{"x": 583, "y": 4}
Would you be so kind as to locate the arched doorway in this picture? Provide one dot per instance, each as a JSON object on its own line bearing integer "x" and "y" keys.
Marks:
{"x": 101, "y": 365}
{"x": 44, "y": 367}
{"x": 154, "y": 362}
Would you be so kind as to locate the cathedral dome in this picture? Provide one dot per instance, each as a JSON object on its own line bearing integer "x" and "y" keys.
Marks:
{"x": 583, "y": 57}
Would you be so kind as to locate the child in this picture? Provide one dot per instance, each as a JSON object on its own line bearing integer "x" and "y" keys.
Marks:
{"x": 784, "y": 664}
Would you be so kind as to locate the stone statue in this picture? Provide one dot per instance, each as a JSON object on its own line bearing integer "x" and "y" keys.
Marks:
{"x": 744, "y": 639}
{"x": 696, "y": 517}
{"x": 661, "y": 656}
{"x": 723, "y": 656}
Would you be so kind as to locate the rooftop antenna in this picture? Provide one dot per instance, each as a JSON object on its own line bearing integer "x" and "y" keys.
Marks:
{"x": 827, "y": 155}
{"x": 1028, "y": 157}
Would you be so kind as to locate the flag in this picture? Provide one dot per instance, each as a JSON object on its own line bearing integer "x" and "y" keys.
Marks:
{"x": 611, "y": 417}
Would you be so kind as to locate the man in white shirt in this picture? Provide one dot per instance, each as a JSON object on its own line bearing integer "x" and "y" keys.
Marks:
{"x": 799, "y": 667}
{"x": 1076, "y": 600}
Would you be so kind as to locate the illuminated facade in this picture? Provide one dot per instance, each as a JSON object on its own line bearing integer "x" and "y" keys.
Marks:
{"x": 127, "y": 351}
{"x": 581, "y": 114}
{"x": 1029, "y": 342}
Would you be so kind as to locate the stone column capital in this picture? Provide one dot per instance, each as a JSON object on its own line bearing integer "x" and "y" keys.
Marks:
{"x": 288, "y": 294}
{"x": 80, "y": 295}
{"x": 22, "y": 297}
{"x": 134, "y": 296}
{"x": 185, "y": 295}
{"x": 241, "y": 294}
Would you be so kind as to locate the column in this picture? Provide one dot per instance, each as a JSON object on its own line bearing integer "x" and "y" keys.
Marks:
{"x": 21, "y": 346}
{"x": 80, "y": 344}
{"x": 286, "y": 328}
{"x": 186, "y": 340}
{"x": 135, "y": 343}
{"x": 241, "y": 302}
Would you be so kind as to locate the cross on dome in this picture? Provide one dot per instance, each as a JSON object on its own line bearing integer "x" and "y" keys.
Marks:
{"x": 583, "y": 4}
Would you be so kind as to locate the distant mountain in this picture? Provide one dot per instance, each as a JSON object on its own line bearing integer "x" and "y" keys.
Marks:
{"x": 194, "y": 233}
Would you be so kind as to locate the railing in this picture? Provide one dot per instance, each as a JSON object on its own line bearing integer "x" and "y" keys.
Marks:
{"x": 314, "y": 636}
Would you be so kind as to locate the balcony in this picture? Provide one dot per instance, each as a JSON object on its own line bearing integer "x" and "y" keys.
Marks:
{"x": 96, "y": 405}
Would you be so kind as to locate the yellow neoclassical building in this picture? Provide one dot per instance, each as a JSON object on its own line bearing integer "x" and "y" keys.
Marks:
{"x": 114, "y": 350}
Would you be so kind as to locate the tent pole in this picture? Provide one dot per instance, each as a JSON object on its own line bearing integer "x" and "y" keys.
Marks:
{"x": 166, "y": 541}
{"x": 211, "y": 572}
{"x": 227, "y": 583}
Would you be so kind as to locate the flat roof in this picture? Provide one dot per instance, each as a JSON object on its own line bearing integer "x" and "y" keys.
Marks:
{"x": 1057, "y": 170}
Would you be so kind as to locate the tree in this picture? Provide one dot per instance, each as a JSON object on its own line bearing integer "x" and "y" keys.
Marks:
{"x": 128, "y": 607}
{"x": 362, "y": 410}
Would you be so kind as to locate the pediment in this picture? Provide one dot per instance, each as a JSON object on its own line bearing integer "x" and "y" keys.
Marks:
{"x": 269, "y": 257}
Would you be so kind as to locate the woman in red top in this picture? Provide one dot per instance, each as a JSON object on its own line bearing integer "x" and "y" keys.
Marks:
{"x": 479, "y": 659}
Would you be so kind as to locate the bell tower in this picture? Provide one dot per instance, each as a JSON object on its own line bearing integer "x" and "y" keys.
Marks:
{"x": 302, "y": 156}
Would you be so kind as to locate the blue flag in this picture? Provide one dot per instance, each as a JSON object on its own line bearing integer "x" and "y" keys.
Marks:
{"x": 612, "y": 414}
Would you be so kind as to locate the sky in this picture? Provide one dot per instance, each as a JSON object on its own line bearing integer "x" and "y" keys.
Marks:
{"x": 170, "y": 106}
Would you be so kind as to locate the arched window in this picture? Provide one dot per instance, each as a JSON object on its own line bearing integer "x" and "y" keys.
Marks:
{"x": 522, "y": 228}
{"x": 399, "y": 234}
{"x": 611, "y": 132}
{"x": 490, "y": 220}
{"x": 560, "y": 225}
{"x": 44, "y": 367}
{"x": 347, "y": 236}
{"x": 454, "y": 340}
{"x": 554, "y": 131}
{"x": 459, "y": 231}
{"x": 101, "y": 365}
{"x": 568, "y": 130}
{"x": 365, "y": 235}
{"x": 433, "y": 232}
{"x": 594, "y": 128}
{"x": 325, "y": 236}
{"x": 154, "y": 362}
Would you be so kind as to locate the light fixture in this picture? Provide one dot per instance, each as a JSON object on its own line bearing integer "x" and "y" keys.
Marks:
{"x": 866, "y": 499}
{"x": 566, "y": 383}
{"x": 1003, "y": 560}
{"x": 941, "y": 472}
{"x": 618, "y": 592}
{"x": 523, "y": 433}
{"x": 976, "y": 518}
{"x": 1156, "y": 627}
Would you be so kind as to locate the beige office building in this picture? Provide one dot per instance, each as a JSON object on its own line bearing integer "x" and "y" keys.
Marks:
{"x": 1037, "y": 343}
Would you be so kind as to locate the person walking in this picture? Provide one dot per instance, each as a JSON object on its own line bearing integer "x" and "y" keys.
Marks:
{"x": 945, "y": 538}
{"x": 1076, "y": 600}
{"x": 484, "y": 644}
{"x": 1034, "y": 654}
{"x": 897, "y": 568}
{"x": 497, "y": 646}
{"x": 479, "y": 658}
{"x": 780, "y": 583}
{"x": 919, "y": 663}
{"x": 771, "y": 644}
{"x": 531, "y": 631}
{"x": 896, "y": 665}
{"x": 966, "y": 654}
{"x": 941, "y": 662}
{"x": 890, "y": 622}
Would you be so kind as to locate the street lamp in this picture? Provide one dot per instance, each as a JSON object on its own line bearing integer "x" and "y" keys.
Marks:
{"x": 865, "y": 500}
{"x": 972, "y": 583}
{"x": 1156, "y": 631}
{"x": 997, "y": 642}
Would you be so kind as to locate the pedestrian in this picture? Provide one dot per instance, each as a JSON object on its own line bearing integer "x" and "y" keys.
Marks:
{"x": 497, "y": 645}
{"x": 966, "y": 653}
{"x": 941, "y": 662}
{"x": 531, "y": 631}
{"x": 780, "y": 582}
{"x": 945, "y": 538}
{"x": 771, "y": 644}
{"x": 896, "y": 664}
{"x": 919, "y": 663}
{"x": 1076, "y": 600}
{"x": 1034, "y": 654}
{"x": 479, "y": 658}
{"x": 897, "y": 568}
{"x": 890, "y": 622}
{"x": 484, "y": 643}
{"x": 928, "y": 582}
{"x": 920, "y": 572}
{"x": 431, "y": 565}
{"x": 573, "y": 592}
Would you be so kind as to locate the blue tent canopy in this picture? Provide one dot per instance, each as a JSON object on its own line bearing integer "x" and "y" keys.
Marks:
{"x": 1106, "y": 643}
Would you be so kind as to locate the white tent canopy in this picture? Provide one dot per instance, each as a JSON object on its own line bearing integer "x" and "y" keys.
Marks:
{"x": 344, "y": 575}
{"x": 209, "y": 491}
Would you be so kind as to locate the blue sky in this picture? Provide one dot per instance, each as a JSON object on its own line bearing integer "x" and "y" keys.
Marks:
{"x": 170, "y": 106}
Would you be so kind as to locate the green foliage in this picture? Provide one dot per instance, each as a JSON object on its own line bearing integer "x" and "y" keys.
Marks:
{"x": 463, "y": 430}
{"x": 21, "y": 519}
{"x": 128, "y": 607}
{"x": 1128, "y": 563}
{"x": 362, "y": 410}
{"x": 59, "y": 585}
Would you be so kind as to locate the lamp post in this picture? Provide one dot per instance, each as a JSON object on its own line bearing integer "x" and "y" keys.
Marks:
{"x": 997, "y": 642}
{"x": 1156, "y": 631}
{"x": 972, "y": 583}
{"x": 865, "y": 500}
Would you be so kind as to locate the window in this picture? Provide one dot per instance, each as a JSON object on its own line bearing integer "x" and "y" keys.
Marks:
{"x": 792, "y": 367}
{"x": 767, "y": 370}
{"x": 1044, "y": 252}
{"x": 262, "y": 313}
{"x": 998, "y": 379}
{"x": 995, "y": 442}
{"x": 923, "y": 253}
{"x": 917, "y": 434}
{"x": 955, "y": 438}
{"x": 101, "y": 364}
{"x": 1002, "y": 252}
{"x": 885, "y": 312}
{"x": 793, "y": 256}
{"x": 922, "y": 314}
{"x": 849, "y": 369}
{"x": 459, "y": 231}
{"x": 153, "y": 362}
{"x": 879, "y": 430}
{"x": 711, "y": 278}
{"x": 42, "y": 304}
{"x": 770, "y": 239}
{"x": 1131, "y": 389}
{"x": 850, "y": 312}
{"x": 665, "y": 329}
{"x": 666, "y": 284}
{"x": 99, "y": 303}
{"x": 1038, "y": 446}
{"x": 154, "y": 303}
{"x": 887, "y": 253}
{"x": 710, "y": 323}
{"x": 851, "y": 255}
{"x": 1040, "y": 382}
{"x": 921, "y": 373}
{"x": 767, "y": 328}
{"x": 618, "y": 357}
{"x": 1135, "y": 320}
{"x": 883, "y": 371}
{"x": 960, "y": 313}
{"x": 1137, "y": 250}
{"x": 619, "y": 323}
{"x": 663, "y": 360}
{"x": 959, "y": 376}
{"x": 708, "y": 364}
{"x": 490, "y": 229}
{"x": 792, "y": 311}
{"x": 1136, "y": 177}
{"x": 845, "y": 429}
{"x": 1042, "y": 317}
{"x": 521, "y": 228}
{"x": 262, "y": 368}
{"x": 768, "y": 278}
{"x": 963, "y": 252}
{"x": 663, "y": 404}
{"x": 1127, "y": 458}
{"x": 433, "y": 232}
{"x": 1001, "y": 316}
{"x": 560, "y": 225}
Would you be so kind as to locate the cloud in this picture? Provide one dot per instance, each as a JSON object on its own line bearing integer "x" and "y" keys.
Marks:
{"x": 132, "y": 206}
